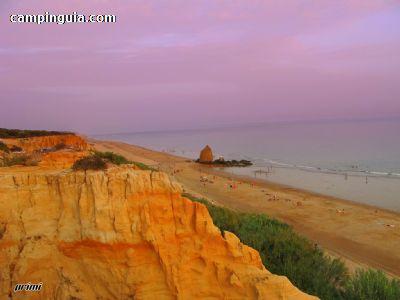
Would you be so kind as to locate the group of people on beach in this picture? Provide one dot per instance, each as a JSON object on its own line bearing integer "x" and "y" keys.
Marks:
{"x": 176, "y": 171}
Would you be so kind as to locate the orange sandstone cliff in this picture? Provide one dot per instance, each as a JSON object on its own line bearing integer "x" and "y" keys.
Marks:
{"x": 120, "y": 234}
{"x": 43, "y": 150}
{"x": 35, "y": 143}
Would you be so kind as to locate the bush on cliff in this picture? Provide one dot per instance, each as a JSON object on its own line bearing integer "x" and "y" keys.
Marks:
{"x": 22, "y": 160}
{"x": 89, "y": 163}
{"x": 98, "y": 161}
{"x": 18, "y": 133}
{"x": 284, "y": 252}
{"x": 117, "y": 159}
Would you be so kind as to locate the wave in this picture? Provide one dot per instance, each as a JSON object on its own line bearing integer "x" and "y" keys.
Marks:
{"x": 350, "y": 172}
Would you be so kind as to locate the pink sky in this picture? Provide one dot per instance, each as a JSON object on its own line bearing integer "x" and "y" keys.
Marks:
{"x": 170, "y": 64}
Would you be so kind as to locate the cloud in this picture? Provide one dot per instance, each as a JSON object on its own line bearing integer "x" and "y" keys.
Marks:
{"x": 34, "y": 50}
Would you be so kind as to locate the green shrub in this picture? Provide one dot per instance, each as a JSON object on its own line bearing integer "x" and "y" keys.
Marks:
{"x": 89, "y": 163}
{"x": 3, "y": 147}
{"x": 371, "y": 284}
{"x": 15, "y": 160}
{"x": 18, "y": 133}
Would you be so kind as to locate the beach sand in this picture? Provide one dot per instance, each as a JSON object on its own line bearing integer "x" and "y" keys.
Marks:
{"x": 363, "y": 236}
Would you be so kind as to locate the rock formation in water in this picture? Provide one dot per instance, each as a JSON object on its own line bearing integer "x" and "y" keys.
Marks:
{"x": 122, "y": 233}
{"x": 206, "y": 155}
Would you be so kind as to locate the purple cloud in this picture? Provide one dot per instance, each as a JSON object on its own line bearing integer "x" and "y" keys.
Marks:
{"x": 174, "y": 64}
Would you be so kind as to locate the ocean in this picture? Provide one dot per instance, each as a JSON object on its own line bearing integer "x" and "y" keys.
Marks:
{"x": 352, "y": 160}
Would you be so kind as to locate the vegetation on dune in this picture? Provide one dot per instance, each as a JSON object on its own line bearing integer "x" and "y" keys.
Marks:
{"x": 116, "y": 159}
{"x": 98, "y": 161}
{"x": 18, "y": 133}
{"x": 284, "y": 252}
{"x": 371, "y": 284}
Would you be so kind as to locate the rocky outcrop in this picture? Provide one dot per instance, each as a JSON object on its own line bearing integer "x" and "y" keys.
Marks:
{"x": 121, "y": 234}
{"x": 206, "y": 155}
{"x": 34, "y": 143}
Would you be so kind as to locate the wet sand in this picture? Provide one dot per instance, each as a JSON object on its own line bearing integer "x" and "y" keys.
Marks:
{"x": 371, "y": 190}
{"x": 361, "y": 235}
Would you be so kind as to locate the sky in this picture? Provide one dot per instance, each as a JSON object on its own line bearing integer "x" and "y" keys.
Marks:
{"x": 182, "y": 64}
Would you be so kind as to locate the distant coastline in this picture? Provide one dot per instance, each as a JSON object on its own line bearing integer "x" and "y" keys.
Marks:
{"x": 353, "y": 160}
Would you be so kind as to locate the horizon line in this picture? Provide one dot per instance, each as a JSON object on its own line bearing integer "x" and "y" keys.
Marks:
{"x": 252, "y": 124}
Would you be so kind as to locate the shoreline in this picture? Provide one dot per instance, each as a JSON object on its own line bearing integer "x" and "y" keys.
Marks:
{"x": 359, "y": 233}
{"x": 287, "y": 187}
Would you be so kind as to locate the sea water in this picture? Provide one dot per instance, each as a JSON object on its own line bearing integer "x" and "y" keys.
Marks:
{"x": 352, "y": 160}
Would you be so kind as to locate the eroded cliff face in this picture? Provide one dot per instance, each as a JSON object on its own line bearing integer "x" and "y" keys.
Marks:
{"x": 121, "y": 234}
{"x": 35, "y": 143}
{"x": 43, "y": 151}
{"x": 60, "y": 159}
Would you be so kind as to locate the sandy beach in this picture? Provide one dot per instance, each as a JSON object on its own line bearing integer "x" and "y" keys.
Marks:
{"x": 361, "y": 235}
